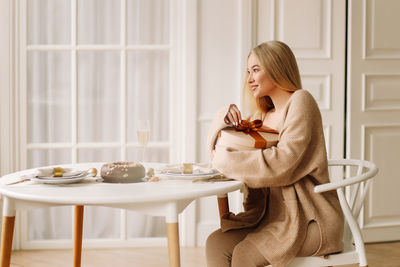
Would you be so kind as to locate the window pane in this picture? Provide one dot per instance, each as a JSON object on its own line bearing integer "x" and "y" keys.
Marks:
{"x": 98, "y": 155}
{"x": 99, "y": 22}
{"x": 50, "y": 223}
{"x": 148, "y": 22}
{"x": 148, "y": 93}
{"x": 101, "y": 222}
{"x": 98, "y": 96}
{"x": 49, "y": 21}
{"x": 49, "y": 97}
{"x": 141, "y": 225}
{"x": 45, "y": 157}
{"x": 153, "y": 154}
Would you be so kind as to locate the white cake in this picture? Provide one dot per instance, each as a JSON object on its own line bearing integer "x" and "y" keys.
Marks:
{"x": 123, "y": 172}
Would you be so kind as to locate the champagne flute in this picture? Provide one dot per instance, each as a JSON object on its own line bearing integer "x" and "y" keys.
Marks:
{"x": 143, "y": 134}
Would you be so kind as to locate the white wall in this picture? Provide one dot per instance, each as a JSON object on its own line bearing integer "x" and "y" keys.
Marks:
{"x": 218, "y": 61}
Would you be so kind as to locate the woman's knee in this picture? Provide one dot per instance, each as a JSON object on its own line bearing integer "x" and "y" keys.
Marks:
{"x": 213, "y": 240}
{"x": 220, "y": 245}
{"x": 226, "y": 240}
{"x": 247, "y": 254}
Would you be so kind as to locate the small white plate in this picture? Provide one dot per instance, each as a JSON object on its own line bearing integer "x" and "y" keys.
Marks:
{"x": 198, "y": 172}
{"x": 183, "y": 176}
{"x": 59, "y": 180}
{"x": 67, "y": 172}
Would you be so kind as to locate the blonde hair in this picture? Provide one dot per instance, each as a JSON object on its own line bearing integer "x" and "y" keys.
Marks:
{"x": 279, "y": 64}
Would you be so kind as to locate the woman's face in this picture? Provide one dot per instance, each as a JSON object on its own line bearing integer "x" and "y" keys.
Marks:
{"x": 258, "y": 81}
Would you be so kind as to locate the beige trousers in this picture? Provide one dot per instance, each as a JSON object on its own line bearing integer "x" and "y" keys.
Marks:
{"x": 232, "y": 249}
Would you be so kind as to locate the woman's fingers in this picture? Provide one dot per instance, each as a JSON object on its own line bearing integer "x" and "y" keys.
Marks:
{"x": 233, "y": 116}
{"x": 237, "y": 115}
{"x": 226, "y": 120}
{"x": 229, "y": 117}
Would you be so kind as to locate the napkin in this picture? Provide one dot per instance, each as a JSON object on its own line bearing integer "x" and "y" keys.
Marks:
{"x": 67, "y": 172}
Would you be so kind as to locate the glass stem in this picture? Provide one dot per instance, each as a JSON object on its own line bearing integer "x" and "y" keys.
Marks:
{"x": 143, "y": 152}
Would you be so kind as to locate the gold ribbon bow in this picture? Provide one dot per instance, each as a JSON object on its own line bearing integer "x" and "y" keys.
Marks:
{"x": 252, "y": 128}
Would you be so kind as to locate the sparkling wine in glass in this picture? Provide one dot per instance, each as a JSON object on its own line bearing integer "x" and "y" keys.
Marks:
{"x": 143, "y": 134}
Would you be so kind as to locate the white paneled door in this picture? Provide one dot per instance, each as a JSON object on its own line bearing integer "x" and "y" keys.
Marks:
{"x": 373, "y": 126}
{"x": 315, "y": 30}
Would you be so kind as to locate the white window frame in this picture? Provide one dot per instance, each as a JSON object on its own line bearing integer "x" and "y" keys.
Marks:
{"x": 7, "y": 85}
{"x": 182, "y": 102}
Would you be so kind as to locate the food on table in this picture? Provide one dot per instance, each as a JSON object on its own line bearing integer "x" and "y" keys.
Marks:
{"x": 123, "y": 172}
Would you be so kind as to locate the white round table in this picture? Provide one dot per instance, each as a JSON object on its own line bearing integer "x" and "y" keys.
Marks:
{"x": 166, "y": 198}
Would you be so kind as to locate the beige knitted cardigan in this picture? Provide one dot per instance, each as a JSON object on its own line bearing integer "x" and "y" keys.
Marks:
{"x": 279, "y": 200}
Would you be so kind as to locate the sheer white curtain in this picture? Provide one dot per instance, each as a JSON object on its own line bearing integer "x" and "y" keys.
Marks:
{"x": 92, "y": 69}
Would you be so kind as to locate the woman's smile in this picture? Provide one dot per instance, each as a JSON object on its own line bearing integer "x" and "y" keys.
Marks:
{"x": 254, "y": 87}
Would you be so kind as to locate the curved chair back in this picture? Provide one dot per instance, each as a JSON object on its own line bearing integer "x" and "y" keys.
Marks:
{"x": 351, "y": 190}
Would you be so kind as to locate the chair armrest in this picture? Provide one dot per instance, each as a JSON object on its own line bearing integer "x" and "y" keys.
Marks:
{"x": 372, "y": 171}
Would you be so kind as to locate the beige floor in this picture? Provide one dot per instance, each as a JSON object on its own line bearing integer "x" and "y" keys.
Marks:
{"x": 379, "y": 255}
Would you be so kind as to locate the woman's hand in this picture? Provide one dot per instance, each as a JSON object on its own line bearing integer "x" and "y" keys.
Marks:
{"x": 233, "y": 117}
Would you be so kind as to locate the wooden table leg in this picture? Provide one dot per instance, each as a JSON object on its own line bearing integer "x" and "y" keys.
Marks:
{"x": 6, "y": 240}
{"x": 173, "y": 244}
{"x": 223, "y": 205}
{"x": 78, "y": 229}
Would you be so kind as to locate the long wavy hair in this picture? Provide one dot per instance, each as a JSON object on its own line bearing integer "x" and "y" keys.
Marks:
{"x": 279, "y": 64}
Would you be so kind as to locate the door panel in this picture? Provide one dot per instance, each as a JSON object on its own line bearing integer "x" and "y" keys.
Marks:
{"x": 374, "y": 109}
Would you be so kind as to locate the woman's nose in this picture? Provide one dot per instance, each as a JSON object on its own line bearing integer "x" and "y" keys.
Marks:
{"x": 250, "y": 78}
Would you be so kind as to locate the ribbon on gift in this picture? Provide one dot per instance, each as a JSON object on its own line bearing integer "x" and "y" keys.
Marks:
{"x": 252, "y": 128}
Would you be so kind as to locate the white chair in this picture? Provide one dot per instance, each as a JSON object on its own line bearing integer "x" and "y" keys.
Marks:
{"x": 351, "y": 206}
{"x": 353, "y": 253}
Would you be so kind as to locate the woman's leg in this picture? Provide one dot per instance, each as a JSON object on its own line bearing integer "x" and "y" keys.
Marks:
{"x": 224, "y": 249}
{"x": 219, "y": 246}
{"x": 246, "y": 254}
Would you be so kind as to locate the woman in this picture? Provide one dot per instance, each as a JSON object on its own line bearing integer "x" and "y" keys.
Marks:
{"x": 283, "y": 217}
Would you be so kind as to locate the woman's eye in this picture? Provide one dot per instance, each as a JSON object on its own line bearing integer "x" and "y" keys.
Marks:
{"x": 255, "y": 70}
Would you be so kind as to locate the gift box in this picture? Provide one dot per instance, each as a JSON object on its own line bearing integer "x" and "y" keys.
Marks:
{"x": 245, "y": 138}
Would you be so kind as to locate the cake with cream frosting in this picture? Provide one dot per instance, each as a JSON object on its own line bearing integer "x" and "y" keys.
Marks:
{"x": 123, "y": 172}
